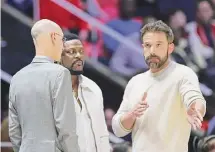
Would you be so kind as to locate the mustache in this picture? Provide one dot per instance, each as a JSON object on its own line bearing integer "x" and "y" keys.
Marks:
{"x": 152, "y": 56}
{"x": 77, "y": 60}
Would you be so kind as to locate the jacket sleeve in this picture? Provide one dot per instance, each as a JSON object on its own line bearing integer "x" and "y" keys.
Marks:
{"x": 118, "y": 128}
{"x": 64, "y": 113}
{"x": 15, "y": 133}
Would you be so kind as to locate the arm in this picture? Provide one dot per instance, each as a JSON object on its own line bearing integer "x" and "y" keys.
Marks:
{"x": 64, "y": 113}
{"x": 191, "y": 94}
{"x": 123, "y": 120}
{"x": 15, "y": 133}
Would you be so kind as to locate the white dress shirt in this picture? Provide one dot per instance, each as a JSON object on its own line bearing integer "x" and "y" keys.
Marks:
{"x": 85, "y": 132}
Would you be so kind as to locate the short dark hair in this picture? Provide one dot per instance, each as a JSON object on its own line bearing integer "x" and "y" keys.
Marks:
{"x": 158, "y": 26}
{"x": 71, "y": 36}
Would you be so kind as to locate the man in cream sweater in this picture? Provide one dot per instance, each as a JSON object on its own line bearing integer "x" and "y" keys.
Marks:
{"x": 161, "y": 105}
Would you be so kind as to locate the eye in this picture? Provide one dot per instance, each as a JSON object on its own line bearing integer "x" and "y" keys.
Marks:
{"x": 158, "y": 45}
{"x": 70, "y": 52}
{"x": 81, "y": 51}
{"x": 147, "y": 45}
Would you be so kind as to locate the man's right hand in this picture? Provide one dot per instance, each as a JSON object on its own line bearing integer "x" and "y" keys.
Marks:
{"x": 140, "y": 107}
{"x": 128, "y": 119}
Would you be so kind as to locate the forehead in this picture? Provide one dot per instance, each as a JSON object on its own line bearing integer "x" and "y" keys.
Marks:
{"x": 154, "y": 37}
{"x": 204, "y": 5}
{"x": 179, "y": 13}
{"x": 73, "y": 43}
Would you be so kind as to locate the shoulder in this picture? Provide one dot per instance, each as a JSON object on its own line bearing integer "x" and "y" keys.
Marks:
{"x": 185, "y": 74}
{"x": 136, "y": 79}
{"x": 184, "y": 70}
{"x": 19, "y": 74}
{"x": 57, "y": 68}
{"x": 51, "y": 70}
{"x": 91, "y": 84}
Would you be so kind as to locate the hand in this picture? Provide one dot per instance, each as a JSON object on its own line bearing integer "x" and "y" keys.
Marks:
{"x": 194, "y": 118}
{"x": 141, "y": 107}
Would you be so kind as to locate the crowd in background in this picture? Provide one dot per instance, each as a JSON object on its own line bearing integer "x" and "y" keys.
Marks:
{"x": 191, "y": 21}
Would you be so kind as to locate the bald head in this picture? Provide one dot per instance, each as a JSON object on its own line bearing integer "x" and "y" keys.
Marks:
{"x": 44, "y": 26}
{"x": 48, "y": 39}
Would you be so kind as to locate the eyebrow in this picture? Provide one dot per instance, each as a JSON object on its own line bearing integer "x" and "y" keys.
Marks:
{"x": 75, "y": 46}
{"x": 159, "y": 41}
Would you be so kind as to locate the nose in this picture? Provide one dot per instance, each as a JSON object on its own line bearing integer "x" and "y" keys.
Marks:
{"x": 78, "y": 54}
{"x": 152, "y": 50}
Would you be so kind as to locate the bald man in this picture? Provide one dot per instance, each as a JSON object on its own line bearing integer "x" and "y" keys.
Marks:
{"x": 41, "y": 106}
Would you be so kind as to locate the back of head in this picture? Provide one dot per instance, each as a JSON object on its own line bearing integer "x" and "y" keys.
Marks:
{"x": 47, "y": 37}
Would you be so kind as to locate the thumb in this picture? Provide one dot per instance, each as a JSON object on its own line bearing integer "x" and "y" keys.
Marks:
{"x": 144, "y": 97}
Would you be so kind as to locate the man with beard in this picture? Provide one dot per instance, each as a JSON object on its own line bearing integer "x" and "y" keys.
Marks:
{"x": 91, "y": 127}
{"x": 161, "y": 105}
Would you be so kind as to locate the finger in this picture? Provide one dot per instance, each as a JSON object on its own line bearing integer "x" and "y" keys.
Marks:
{"x": 140, "y": 114}
{"x": 142, "y": 106}
{"x": 141, "y": 109}
{"x": 199, "y": 115}
{"x": 198, "y": 126}
{"x": 144, "y": 97}
{"x": 198, "y": 121}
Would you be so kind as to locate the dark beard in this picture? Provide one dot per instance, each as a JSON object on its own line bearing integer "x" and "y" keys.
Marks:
{"x": 156, "y": 65}
{"x": 73, "y": 72}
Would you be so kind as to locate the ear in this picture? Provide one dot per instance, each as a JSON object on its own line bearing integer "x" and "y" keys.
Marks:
{"x": 171, "y": 48}
{"x": 52, "y": 35}
{"x": 35, "y": 41}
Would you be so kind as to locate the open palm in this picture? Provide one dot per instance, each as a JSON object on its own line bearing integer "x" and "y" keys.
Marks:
{"x": 194, "y": 118}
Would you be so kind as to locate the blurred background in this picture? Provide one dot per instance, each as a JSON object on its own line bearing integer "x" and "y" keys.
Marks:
{"x": 109, "y": 30}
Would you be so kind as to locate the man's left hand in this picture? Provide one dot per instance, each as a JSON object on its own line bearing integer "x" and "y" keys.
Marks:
{"x": 194, "y": 117}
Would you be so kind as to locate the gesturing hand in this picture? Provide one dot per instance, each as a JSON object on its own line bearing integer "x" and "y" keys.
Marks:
{"x": 141, "y": 107}
{"x": 194, "y": 118}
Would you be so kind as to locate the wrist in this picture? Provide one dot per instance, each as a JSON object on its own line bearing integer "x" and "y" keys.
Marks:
{"x": 132, "y": 115}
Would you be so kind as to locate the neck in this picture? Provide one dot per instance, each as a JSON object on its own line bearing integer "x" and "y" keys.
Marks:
{"x": 41, "y": 52}
{"x": 161, "y": 68}
{"x": 75, "y": 82}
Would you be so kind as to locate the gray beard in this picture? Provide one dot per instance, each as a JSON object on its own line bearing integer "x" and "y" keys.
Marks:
{"x": 159, "y": 64}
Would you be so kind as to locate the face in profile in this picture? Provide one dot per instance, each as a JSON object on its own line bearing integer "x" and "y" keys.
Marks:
{"x": 73, "y": 56}
{"x": 156, "y": 49}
